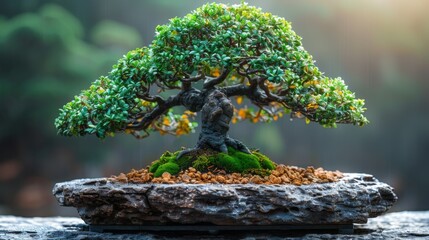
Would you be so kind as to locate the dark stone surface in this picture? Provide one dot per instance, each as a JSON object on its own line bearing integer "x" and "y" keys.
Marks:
{"x": 353, "y": 199}
{"x": 400, "y": 225}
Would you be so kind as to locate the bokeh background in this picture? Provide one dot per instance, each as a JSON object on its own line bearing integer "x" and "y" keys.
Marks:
{"x": 50, "y": 50}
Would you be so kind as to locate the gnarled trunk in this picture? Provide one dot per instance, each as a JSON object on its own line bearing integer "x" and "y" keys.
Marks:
{"x": 217, "y": 113}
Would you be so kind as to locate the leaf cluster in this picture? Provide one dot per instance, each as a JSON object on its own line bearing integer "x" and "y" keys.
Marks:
{"x": 254, "y": 48}
{"x": 107, "y": 105}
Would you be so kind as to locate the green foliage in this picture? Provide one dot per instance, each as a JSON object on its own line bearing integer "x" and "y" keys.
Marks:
{"x": 218, "y": 35}
{"x": 240, "y": 38}
{"x": 234, "y": 161}
{"x": 170, "y": 167}
{"x": 107, "y": 105}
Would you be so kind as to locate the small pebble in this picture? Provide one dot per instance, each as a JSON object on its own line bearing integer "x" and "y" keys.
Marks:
{"x": 166, "y": 176}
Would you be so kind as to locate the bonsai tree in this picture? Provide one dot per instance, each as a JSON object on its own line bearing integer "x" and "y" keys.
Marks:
{"x": 200, "y": 62}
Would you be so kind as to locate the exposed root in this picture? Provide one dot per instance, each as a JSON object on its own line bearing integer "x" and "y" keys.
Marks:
{"x": 237, "y": 145}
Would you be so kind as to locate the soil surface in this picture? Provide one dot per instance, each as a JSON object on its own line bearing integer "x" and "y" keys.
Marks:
{"x": 281, "y": 175}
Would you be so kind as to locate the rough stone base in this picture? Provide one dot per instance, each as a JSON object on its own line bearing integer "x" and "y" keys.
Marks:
{"x": 353, "y": 199}
{"x": 400, "y": 225}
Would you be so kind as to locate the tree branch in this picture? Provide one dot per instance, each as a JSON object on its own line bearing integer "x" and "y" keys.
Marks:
{"x": 211, "y": 82}
{"x": 261, "y": 107}
{"x": 186, "y": 86}
{"x": 197, "y": 78}
{"x": 239, "y": 67}
{"x": 236, "y": 90}
{"x": 152, "y": 115}
{"x": 145, "y": 96}
{"x": 160, "y": 85}
{"x": 171, "y": 86}
{"x": 259, "y": 96}
{"x": 191, "y": 99}
{"x": 270, "y": 95}
{"x": 186, "y": 82}
{"x": 156, "y": 98}
{"x": 254, "y": 94}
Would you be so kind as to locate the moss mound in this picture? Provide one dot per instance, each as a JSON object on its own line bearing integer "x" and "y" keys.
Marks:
{"x": 206, "y": 160}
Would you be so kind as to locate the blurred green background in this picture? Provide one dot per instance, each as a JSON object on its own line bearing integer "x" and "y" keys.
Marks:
{"x": 50, "y": 50}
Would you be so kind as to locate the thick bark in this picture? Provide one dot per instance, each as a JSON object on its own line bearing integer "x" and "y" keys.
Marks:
{"x": 217, "y": 113}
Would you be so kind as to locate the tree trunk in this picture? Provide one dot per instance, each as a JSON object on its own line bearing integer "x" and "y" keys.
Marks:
{"x": 217, "y": 113}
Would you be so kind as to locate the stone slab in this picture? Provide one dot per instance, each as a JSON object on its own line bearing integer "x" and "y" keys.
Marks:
{"x": 353, "y": 199}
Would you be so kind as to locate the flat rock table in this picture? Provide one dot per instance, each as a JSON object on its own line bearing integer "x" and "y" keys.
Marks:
{"x": 109, "y": 205}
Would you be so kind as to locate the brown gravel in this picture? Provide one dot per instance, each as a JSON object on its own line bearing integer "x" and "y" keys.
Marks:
{"x": 281, "y": 175}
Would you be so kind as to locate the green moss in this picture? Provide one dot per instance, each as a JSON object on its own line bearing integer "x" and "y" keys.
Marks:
{"x": 184, "y": 162}
{"x": 202, "y": 163}
{"x": 247, "y": 161}
{"x": 168, "y": 157}
{"x": 265, "y": 162}
{"x": 165, "y": 158}
{"x": 226, "y": 162}
{"x": 170, "y": 167}
{"x": 234, "y": 161}
{"x": 154, "y": 166}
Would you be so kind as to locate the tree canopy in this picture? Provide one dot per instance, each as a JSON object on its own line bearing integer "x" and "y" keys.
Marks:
{"x": 237, "y": 49}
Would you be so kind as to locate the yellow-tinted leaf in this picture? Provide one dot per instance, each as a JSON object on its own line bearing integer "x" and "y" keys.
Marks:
{"x": 307, "y": 121}
{"x": 216, "y": 72}
{"x": 242, "y": 113}
{"x": 166, "y": 121}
